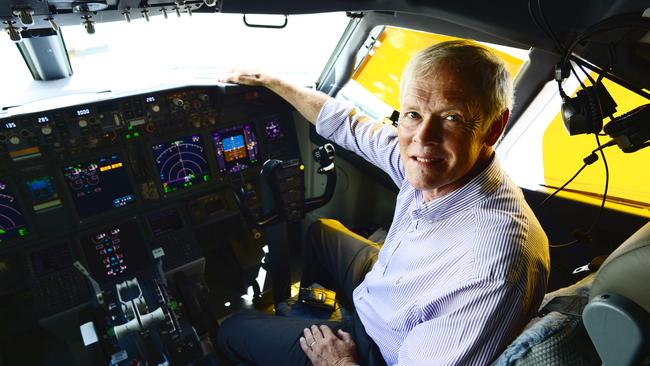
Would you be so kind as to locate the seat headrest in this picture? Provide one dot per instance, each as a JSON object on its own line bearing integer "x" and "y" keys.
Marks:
{"x": 627, "y": 270}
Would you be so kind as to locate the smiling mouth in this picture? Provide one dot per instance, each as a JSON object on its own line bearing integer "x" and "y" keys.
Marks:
{"x": 426, "y": 160}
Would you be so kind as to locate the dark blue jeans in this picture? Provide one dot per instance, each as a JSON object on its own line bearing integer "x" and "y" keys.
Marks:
{"x": 334, "y": 257}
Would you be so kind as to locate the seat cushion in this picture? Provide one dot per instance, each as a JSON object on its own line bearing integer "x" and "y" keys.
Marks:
{"x": 555, "y": 338}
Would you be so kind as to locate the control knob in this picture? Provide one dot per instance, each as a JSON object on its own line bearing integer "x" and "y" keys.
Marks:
{"x": 15, "y": 140}
{"x": 196, "y": 122}
{"x": 178, "y": 102}
{"x": 46, "y": 130}
{"x": 82, "y": 123}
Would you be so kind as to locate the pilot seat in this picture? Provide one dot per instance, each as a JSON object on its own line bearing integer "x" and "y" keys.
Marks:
{"x": 602, "y": 319}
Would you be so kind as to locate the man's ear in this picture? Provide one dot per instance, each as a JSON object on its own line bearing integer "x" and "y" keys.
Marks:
{"x": 496, "y": 128}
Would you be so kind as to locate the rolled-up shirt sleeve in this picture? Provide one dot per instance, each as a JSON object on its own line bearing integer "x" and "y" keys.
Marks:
{"x": 469, "y": 327}
{"x": 374, "y": 141}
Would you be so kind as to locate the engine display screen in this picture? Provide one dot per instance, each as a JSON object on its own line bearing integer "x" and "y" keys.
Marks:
{"x": 12, "y": 220}
{"x": 51, "y": 259}
{"x": 236, "y": 148}
{"x": 181, "y": 163}
{"x": 164, "y": 221}
{"x": 115, "y": 252}
{"x": 43, "y": 193}
{"x": 100, "y": 185}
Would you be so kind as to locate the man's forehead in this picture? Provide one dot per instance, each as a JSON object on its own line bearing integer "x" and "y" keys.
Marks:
{"x": 449, "y": 81}
{"x": 444, "y": 87}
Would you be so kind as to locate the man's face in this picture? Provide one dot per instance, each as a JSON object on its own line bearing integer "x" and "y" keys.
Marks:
{"x": 441, "y": 143}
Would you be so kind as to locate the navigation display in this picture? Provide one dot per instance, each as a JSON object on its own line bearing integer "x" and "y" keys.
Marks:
{"x": 236, "y": 148}
{"x": 181, "y": 163}
{"x": 117, "y": 251}
{"x": 12, "y": 220}
{"x": 100, "y": 185}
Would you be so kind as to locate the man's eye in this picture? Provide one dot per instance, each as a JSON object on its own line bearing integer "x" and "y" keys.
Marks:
{"x": 412, "y": 115}
{"x": 453, "y": 118}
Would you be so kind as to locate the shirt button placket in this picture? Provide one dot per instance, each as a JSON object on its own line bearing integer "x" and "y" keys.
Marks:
{"x": 413, "y": 226}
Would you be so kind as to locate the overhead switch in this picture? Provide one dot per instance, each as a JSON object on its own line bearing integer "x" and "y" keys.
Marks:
{"x": 26, "y": 15}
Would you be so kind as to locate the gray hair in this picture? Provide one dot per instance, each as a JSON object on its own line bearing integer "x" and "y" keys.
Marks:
{"x": 494, "y": 78}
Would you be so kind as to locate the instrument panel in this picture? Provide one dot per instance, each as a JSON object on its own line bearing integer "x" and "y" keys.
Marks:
{"x": 109, "y": 182}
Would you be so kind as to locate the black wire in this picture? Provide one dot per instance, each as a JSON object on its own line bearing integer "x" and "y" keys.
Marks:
{"x": 544, "y": 27}
{"x": 598, "y": 28}
{"x": 548, "y": 27}
{"x": 534, "y": 18}
{"x": 602, "y": 203}
{"x": 563, "y": 245}
{"x": 562, "y": 93}
{"x": 563, "y": 186}
{"x": 612, "y": 57}
{"x": 591, "y": 80}
{"x": 604, "y": 199}
{"x": 590, "y": 159}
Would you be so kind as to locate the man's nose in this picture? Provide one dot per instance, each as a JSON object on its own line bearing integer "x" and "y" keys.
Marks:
{"x": 429, "y": 131}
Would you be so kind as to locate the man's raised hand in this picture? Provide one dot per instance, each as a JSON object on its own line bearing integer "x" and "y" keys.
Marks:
{"x": 244, "y": 76}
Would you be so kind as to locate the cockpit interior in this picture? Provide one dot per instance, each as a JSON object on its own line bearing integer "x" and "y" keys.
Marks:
{"x": 137, "y": 208}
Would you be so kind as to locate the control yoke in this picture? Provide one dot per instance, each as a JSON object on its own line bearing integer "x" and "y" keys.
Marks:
{"x": 283, "y": 189}
{"x": 283, "y": 202}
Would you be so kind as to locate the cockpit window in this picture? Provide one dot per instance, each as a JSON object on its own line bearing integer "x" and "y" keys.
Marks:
{"x": 376, "y": 80}
{"x": 13, "y": 72}
{"x": 123, "y": 56}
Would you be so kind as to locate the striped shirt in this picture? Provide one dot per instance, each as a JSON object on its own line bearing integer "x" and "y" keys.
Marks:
{"x": 457, "y": 277}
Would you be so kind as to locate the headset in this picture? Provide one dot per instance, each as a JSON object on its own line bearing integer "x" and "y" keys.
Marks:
{"x": 585, "y": 112}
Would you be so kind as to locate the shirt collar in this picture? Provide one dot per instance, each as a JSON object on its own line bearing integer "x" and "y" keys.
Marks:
{"x": 462, "y": 198}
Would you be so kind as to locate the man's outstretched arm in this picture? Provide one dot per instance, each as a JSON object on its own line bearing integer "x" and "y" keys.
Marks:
{"x": 307, "y": 101}
{"x": 339, "y": 122}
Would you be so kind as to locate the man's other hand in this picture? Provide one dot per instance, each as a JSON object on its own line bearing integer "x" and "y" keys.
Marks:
{"x": 244, "y": 77}
{"x": 307, "y": 101}
{"x": 324, "y": 348}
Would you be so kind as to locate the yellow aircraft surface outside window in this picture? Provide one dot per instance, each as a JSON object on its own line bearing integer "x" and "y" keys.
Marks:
{"x": 379, "y": 73}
